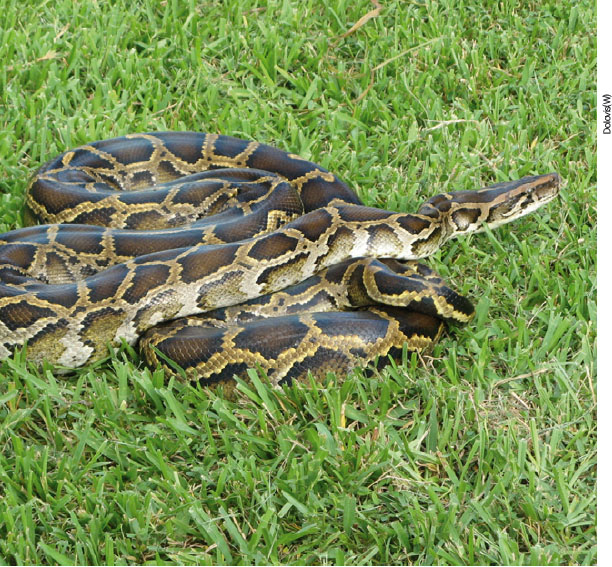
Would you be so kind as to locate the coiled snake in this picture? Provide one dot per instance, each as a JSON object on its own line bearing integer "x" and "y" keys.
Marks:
{"x": 292, "y": 272}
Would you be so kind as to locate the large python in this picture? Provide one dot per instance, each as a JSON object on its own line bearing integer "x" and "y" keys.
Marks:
{"x": 291, "y": 271}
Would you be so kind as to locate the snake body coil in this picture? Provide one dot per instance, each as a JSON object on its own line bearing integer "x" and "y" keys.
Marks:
{"x": 147, "y": 231}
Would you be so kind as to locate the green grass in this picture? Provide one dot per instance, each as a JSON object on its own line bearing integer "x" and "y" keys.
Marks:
{"x": 483, "y": 453}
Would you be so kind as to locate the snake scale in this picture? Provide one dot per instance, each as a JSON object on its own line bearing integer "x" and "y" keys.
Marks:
{"x": 219, "y": 254}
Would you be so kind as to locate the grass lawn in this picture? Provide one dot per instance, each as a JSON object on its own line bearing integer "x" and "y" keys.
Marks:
{"x": 484, "y": 452}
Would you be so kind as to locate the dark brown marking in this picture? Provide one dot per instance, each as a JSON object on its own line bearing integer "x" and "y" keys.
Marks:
{"x": 368, "y": 326}
{"x": 59, "y": 198}
{"x": 313, "y": 224}
{"x": 273, "y": 246}
{"x": 166, "y": 171}
{"x": 429, "y": 210}
{"x": 363, "y": 214}
{"x": 21, "y": 255}
{"x": 146, "y": 220}
{"x": 100, "y": 328}
{"x": 127, "y": 150}
{"x": 105, "y": 284}
{"x": 113, "y": 181}
{"x": 65, "y": 295}
{"x": 196, "y": 192}
{"x": 144, "y": 279}
{"x": 81, "y": 239}
{"x": 23, "y": 314}
{"x": 319, "y": 193}
{"x": 100, "y": 216}
{"x": 391, "y": 283}
{"x": 229, "y": 147}
{"x": 132, "y": 243}
{"x": 319, "y": 364}
{"x": 412, "y": 223}
{"x": 418, "y": 324}
{"x": 201, "y": 263}
{"x": 151, "y": 196}
{"x": 230, "y": 370}
{"x": 34, "y": 234}
{"x": 335, "y": 274}
{"x": 13, "y": 276}
{"x": 141, "y": 179}
{"x": 271, "y": 337}
{"x": 84, "y": 157}
{"x": 232, "y": 229}
{"x": 184, "y": 149}
{"x": 272, "y": 159}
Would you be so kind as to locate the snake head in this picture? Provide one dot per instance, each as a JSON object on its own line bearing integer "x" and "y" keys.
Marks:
{"x": 468, "y": 211}
{"x": 512, "y": 200}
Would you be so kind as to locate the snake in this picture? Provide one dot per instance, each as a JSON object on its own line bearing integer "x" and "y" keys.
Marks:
{"x": 216, "y": 255}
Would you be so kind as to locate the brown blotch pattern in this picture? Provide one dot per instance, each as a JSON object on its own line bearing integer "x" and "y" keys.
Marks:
{"x": 144, "y": 279}
{"x": 23, "y": 314}
{"x": 271, "y": 247}
{"x": 201, "y": 263}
